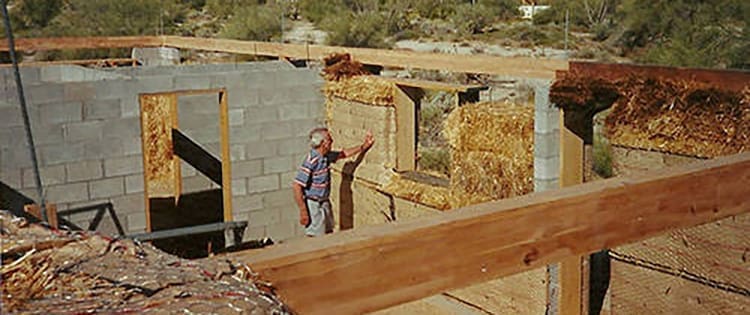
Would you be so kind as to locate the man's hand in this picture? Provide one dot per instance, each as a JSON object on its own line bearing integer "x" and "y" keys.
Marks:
{"x": 368, "y": 141}
{"x": 304, "y": 218}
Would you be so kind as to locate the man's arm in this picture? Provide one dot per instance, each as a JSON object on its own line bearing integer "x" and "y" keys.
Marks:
{"x": 366, "y": 144}
{"x": 304, "y": 217}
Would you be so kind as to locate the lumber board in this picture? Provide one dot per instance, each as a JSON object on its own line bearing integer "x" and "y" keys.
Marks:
{"x": 196, "y": 156}
{"x": 56, "y": 43}
{"x": 376, "y": 267}
{"x": 406, "y": 131}
{"x": 226, "y": 163}
{"x": 510, "y": 66}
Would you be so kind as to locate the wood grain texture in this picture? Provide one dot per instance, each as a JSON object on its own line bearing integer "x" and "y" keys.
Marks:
{"x": 376, "y": 267}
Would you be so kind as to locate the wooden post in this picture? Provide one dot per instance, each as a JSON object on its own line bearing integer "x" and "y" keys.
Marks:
{"x": 571, "y": 275}
{"x": 226, "y": 167}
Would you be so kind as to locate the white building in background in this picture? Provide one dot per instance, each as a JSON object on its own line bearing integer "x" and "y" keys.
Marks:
{"x": 528, "y": 11}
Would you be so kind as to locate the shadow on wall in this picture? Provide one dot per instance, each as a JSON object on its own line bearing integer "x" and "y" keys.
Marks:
{"x": 346, "y": 204}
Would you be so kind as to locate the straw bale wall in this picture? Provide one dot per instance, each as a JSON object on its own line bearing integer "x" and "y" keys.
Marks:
{"x": 368, "y": 192}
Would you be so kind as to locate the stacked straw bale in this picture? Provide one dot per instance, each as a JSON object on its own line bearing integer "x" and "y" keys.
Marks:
{"x": 492, "y": 145}
{"x": 423, "y": 192}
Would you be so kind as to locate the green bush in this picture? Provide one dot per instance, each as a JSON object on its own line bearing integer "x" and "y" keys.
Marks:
{"x": 471, "y": 19}
{"x": 255, "y": 22}
{"x": 435, "y": 159}
{"x": 356, "y": 30}
{"x": 317, "y": 11}
{"x": 225, "y": 9}
{"x": 602, "y": 157}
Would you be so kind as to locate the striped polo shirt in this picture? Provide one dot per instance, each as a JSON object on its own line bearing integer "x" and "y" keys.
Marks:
{"x": 315, "y": 174}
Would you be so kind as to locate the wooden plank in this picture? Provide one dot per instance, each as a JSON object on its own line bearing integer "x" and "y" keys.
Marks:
{"x": 51, "y": 210}
{"x": 434, "y": 85}
{"x": 572, "y": 274}
{"x": 196, "y": 156}
{"x": 106, "y": 61}
{"x": 56, "y": 43}
{"x": 376, "y": 267}
{"x": 406, "y": 135}
{"x": 526, "y": 67}
{"x": 226, "y": 165}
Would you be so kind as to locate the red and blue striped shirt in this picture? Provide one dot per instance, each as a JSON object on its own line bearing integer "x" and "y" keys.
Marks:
{"x": 314, "y": 174}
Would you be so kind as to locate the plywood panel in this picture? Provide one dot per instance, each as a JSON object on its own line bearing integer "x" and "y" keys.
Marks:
{"x": 160, "y": 166}
{"x": 524, "y": 293}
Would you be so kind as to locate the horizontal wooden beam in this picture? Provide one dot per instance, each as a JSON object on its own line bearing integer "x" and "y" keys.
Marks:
{"x": 107, "y": 61}
{"x": 57, "y": 43}
{"x": 195, "y": 155}
{"x": 363, "y": 270}
{"x": 511, "y": 66}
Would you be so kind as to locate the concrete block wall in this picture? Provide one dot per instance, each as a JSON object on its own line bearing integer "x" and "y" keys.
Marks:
{"x": 87, "y": 135}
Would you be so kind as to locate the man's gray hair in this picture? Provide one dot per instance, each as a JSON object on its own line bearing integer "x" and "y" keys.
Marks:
{"x": 317, "y": 136}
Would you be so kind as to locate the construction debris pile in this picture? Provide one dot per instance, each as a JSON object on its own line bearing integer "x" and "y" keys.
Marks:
{"x": 47, "y": 271}
{"x": 492, "y": 152}
{"x": 680, "y": 116}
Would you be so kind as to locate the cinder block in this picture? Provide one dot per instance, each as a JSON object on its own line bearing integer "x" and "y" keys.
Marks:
{"x": 50, "y": 175}
{"x": 196, "y": 183}
{"x": 104, "y": 148}
{"x": 132, "y": 146}
{"x": 83, "y": 171}
{"x": 250, "y": 168}
{"x": 275, "y": 165}
{"x": 547, "y": 168}
{"x": 294, "y": 111}
{"x": 130, "y": 106}
{"x": 43, "y": 134}
{"x": 254, "y": 233}
{"x": 101, "y": 109}
{"x": 107, "y": 188}
{"x": 276, "y": 131}
{"x": 129, "y": 127}
{"x": 284, "y": 230}
{"x": 243, "y": 204}
{"x": 134, "y": 184}
{"x": 43, "y": 94}
{"x": 136, "y": 222}
{"x": 67, "y": 193}
{"x": 131, "y": 203}
{"x": 294, "y": 146}
{"x": 301, "y": 128}
{"x": 154, "y": 84}
{"x": 546, "y": 121}
{"x": 199, "y": 122}
{"x": 239, "y": 187}
{"x": 15, "y": 158}
{"x": 80, "y": 131}
{"x": 275, "y": 96}
{"x": 237, "y": 152}
{"x": 236, "y": 117}
{"x": 243, "y": 134}
{"x": 11, "y": 116}
{"x": 260, "y": 149}
{"x": 123, "y": 166}
{"x": 264, "y": 217}
{"x": 192, "y": 82}
{"x": 79, "y": 91}
{"x": 263, "y": 183}
{"x": 544, "y": 185}
{"x": 547, "y": 145}
{"x": 287, "y": 178}
{"x": 261, "y": 115}
{"x": 316, "y": 109}
{"x": 30, "y": 75}
{"x": 280, "y": 199}
{"x": 11, "y": 177}
{"x": 61, "y": 153}
{"x": 243, "y": 96}
{"x": 114, "y": 89}
{"x": 60, "y": 113}
{"x": 187, "y": 170}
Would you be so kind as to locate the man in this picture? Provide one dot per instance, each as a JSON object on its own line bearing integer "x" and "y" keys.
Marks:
{"x": 312, "y": 185}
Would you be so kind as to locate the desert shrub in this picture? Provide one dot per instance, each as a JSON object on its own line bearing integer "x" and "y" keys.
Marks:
{"x": 356, "y": 30}
{"x": 254, "y": 22}
{"x": 471, "y": 19}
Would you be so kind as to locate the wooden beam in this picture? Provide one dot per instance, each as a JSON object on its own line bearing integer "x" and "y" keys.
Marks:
{"x": 406, "y": 130}
{"x": 226, "y": 163}
{"x": 526, "y": 67}
{"x": 196, "y": 156}
{"x": 56, "y": 43}
{"x": 376, "y": 267}
{"x": 571, "y": 271}
{"x": 105, "y": 61}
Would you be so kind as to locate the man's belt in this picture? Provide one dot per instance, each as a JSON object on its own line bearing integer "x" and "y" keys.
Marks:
{"x": 317, "y": 199}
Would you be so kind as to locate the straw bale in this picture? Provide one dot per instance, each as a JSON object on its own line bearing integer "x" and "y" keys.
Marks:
{"x": 425, "y": 193}
{"x": 341, "y": 66}
{"x": 491, "y": 152}
{"x": 367, "y": 89}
